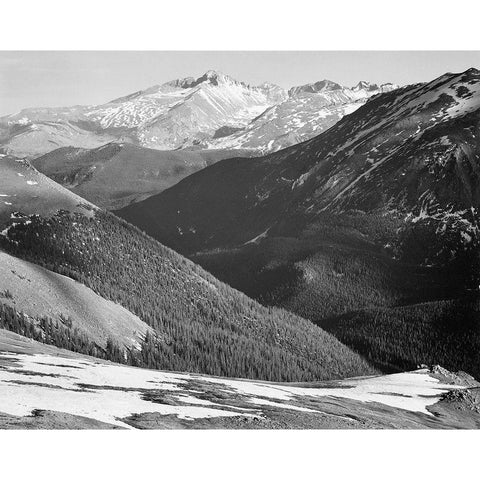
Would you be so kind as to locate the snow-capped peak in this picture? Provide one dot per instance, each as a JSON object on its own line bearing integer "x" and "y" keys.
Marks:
{"x": 363, "y": 85}
{"x": 180, "y": 82}
{"x": 268, "y": 85}
{"x": 317, "y": 87}
{"x": 215, "y": 78}
{"x": 210, "y": 77}
{"x": 214, "y": 75}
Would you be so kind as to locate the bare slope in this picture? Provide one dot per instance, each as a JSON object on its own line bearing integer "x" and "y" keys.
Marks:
{"x": 37, "y": 291}
{"x": 23, "y": 189}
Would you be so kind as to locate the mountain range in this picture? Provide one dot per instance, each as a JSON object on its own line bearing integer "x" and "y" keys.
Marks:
{"x": 408, "y": 153}
{"x": 212, "y": 111}
{"x": 307, "y": 111}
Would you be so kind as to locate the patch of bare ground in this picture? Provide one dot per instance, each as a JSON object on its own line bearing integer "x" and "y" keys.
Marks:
{"x": 459, "y": 409}
{"x": 48, "y": 420}
{"x": 454, "y": 378}
{"x": 38, "y": 292}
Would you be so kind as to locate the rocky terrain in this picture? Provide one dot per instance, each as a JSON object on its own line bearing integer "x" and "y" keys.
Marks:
{"x": 308, "y": 111}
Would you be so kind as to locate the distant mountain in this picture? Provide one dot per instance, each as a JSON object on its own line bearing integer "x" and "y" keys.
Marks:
{"x": 212, "y": 111}
{"x": 185, "y": 112}
{"x": 378, "y": 212}
{"x": 410, "y": 153}
{"x": 131, "y": 300}
{"x": 117, "y": 174}
{"x": 308, "y": 111}
{"x": 29, "y": 135}
{"x": 177, "y": 114}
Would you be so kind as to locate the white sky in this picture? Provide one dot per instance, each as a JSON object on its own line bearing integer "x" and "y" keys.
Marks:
{"x": 63, "y": 78}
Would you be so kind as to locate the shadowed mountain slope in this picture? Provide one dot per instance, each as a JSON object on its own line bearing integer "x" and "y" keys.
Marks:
{"x": 117, "y": 174}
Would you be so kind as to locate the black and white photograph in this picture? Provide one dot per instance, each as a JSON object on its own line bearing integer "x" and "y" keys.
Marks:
{"x": 239, "y": 240}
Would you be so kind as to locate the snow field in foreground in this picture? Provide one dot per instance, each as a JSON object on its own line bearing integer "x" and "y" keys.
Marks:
{"x": 97, "y": 390}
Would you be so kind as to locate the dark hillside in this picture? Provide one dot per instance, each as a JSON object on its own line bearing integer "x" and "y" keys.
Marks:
{"x": 117, "y": 174}
{"x": 202, "y": 324}
{"x": 446, "y": 332}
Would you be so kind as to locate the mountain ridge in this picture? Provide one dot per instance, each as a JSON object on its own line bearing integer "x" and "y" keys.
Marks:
{"x": 117, "y": 174}
{"x": 182, "y": 113}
